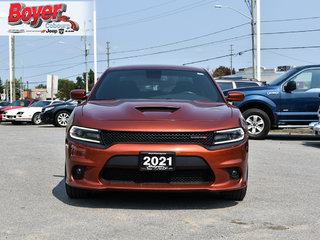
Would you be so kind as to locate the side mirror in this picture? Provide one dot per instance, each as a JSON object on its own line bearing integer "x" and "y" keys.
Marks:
{"x": 78, "y": 94}
{"x": 290, "y": 86}
{"x": 235, "y": 97}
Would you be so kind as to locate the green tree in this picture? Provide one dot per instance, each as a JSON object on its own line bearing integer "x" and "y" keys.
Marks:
{"x": 41, "y": 86}
{"x": 221, "y": 71}
{"x": 81, "y": 80}
{"x": 65, "y": 86}
{"x": 1, "y": 86}
{"x": 19, "y": 88}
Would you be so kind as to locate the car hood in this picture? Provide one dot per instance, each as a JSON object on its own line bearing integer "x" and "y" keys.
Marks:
{"x": 124, "y": 115}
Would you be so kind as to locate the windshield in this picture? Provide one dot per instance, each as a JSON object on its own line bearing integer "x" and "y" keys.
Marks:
{"x": 40, "y": 104}
{"x": 21, "y": 103}
{"x": 157, "y": 84}
{"x": 283, "y": 77}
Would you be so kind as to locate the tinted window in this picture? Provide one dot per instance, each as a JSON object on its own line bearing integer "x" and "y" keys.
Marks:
{"x": 40, "y": 104}
{"x": 280, "y": 79}
{"x": 157, "y": 84}
{"x": 246, "y": 84}
{"x": 225, "y": 85}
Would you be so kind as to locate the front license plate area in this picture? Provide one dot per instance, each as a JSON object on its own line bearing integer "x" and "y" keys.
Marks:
{"x": 157, "y": 161}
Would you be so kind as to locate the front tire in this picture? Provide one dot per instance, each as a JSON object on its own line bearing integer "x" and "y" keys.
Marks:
{"x": 235, "y": 195}
{"x": 61, "y": 119}
{"x": 36, "y": 119}
{"x": 259, "y": 123}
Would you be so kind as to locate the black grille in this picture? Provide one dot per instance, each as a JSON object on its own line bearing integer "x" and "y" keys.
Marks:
{"x": 189, "y": 170}
{"x": 113, "y": 137}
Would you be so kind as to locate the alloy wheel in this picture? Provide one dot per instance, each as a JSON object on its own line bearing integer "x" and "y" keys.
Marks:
{"x": 255, "y": 124}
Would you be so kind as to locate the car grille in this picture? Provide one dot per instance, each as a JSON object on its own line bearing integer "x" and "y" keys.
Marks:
{"x": 189, "y": 170}
{"x": 113, "y": 137}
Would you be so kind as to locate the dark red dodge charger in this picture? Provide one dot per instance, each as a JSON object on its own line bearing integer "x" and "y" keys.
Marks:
{"x": 156, "y": 128}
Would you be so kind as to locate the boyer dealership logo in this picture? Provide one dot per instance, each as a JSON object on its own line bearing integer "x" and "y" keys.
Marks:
{"x": 52, "y": 17}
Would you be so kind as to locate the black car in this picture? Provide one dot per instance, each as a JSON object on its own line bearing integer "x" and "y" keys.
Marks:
{"x": 3, "y": 104}
{"x": 58, "y": 114}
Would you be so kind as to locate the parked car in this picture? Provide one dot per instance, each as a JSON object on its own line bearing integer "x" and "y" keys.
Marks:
{"x": 3, "y": 104}
{"x": 232, "y": 83}
{"x": 29, "y": 114}
{"x": 315, "y": 126}
{"x": 15, "y": 105}
{"x": 156, "y": 128}
{"x": 289, "y": 101}
{"x": 58, "y": 114}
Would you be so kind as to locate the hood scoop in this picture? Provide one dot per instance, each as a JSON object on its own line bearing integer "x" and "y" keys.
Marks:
{"x": 157, "y": 108}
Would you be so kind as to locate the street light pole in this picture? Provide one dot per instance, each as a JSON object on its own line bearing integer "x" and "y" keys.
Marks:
{"x": 95, "y": 41}
{"x": 255, "y": 72}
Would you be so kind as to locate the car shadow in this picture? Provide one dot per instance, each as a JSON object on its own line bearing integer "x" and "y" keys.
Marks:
{"x": 293, "y": 137}
{"x": 312, "y": 144}
{"x": 47, "y": 126}
{"x": 144, "y": 200}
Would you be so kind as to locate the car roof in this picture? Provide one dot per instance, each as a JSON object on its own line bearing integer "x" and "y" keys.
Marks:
{"x": 307, "y": 66}
{"x": 235, "y": 80}
{"x": 171, "y": 67}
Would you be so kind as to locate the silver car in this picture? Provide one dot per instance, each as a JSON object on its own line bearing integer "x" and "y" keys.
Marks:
{"x": 315, "y": 126}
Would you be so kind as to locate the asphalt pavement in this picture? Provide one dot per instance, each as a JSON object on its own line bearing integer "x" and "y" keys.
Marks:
{"x": 282, "y": 201}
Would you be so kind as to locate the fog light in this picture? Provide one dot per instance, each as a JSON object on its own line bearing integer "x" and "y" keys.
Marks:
{"x": 234, "y": 173}
{"x": 78, "y": 172}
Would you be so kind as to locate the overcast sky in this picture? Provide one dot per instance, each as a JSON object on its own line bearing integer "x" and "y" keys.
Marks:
{"x": 179, "y": 25}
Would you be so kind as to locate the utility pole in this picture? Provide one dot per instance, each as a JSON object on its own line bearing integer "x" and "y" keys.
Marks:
{"x": 258, "y": 41}
{"x": 231, "y": 54}
{"x": 253, "y": 41}
{"x": 13, "y": 70}
{"x": 86, "y": 56}
{"x": 28, "y": 89}
{"x": 108, "y": 53}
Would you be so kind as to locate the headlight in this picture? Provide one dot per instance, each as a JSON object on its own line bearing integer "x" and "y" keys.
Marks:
{"x": 85, "y": 134}
{"x": 228, "y": 136}
{"x": 48, "y": 108}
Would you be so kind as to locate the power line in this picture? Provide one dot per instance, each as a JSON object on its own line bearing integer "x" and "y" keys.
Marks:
{"x": 182, "y": 41}
{"x": 163, "y": 14}
{"x": 290, "y": 19}
{"x": 262, "y": 49}
{"x": 209, "y": 43}
{"x": 293, "y": 58}
{"x": 293, "y": 31}
{"x": 57, "y": 70}
{"x": 213, "y": 58}
{"x": 179, "y": 49}
{"x": 291, "y": 48}
{"x": 139, "y": 10}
